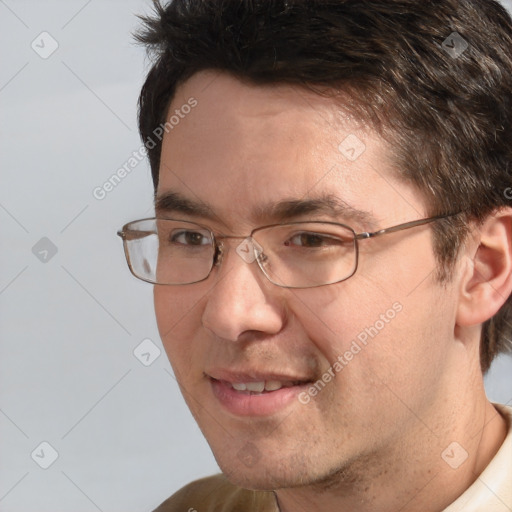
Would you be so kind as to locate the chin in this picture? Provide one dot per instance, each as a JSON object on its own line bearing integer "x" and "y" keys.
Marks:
{"x": 267, "y": 474}
{"x": 260, "y": 480}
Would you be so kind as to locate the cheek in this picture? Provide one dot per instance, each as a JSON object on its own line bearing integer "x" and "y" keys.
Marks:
{"x": 175, "y": 306}
{"x": 381, "y": 339}
{"x": 177, "y": 317}
{"x": 337, "y": 318}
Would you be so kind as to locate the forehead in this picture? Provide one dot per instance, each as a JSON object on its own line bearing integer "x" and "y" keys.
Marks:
{"x": 243, "y": 145}
{"x": 287, "y": 109}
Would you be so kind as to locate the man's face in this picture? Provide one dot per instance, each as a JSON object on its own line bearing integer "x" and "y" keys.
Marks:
{"x": 247, "y": 147}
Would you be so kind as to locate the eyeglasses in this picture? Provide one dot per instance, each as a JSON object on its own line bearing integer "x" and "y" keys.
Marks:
{"x": 292, "y": 255}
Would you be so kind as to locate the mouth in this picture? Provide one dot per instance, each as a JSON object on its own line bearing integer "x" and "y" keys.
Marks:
{"x": 244, "y": 395}
{"x": 261, "y": 387}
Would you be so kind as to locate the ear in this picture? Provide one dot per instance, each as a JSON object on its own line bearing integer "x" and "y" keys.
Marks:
{"x": 487, "y": 281}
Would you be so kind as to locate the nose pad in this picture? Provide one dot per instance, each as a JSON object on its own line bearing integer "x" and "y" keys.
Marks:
{"x": 217, "y": 257}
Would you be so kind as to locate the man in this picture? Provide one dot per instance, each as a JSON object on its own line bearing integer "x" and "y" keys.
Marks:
{"x": 332, "y": 248}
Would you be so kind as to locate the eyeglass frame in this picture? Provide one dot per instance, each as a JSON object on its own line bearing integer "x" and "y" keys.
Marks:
{"x": 219, "y": 246}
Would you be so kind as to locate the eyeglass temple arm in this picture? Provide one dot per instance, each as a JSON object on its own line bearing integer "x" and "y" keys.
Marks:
{"x": 406, "y": 225}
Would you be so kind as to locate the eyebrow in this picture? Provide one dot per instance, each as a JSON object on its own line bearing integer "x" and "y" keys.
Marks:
{"x": 171, "y": 202}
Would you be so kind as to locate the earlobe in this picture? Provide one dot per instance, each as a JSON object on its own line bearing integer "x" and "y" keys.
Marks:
{"x": 487, "y": 282}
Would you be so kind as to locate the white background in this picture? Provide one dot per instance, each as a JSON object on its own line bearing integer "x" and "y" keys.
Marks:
{"x": 68, "y": 375}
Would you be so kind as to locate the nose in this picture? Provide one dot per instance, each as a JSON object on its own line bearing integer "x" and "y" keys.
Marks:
{"x": 242, "y": 299}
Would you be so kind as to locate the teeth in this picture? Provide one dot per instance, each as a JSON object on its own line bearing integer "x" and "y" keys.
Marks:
{"x": 259, "y": 387}
{"x": 273, "y": 385}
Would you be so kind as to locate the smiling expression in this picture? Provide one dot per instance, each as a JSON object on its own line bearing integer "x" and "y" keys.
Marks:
{"x": 245, "y": 350}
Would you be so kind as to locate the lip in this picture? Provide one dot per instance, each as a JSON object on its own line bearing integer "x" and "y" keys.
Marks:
{"x": 255, "y": 376}
{"x": 265, "y": 404}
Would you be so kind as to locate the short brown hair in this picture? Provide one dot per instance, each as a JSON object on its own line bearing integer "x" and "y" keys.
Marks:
{"x": 434, "y": 76}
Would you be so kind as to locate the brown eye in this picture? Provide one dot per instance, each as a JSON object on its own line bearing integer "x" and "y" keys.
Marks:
{"x": 193, "y": 238}
{"x": 313, "y": 240}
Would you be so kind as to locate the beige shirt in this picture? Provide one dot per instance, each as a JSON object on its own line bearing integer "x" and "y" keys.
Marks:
{"x": 491, "y": 492}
